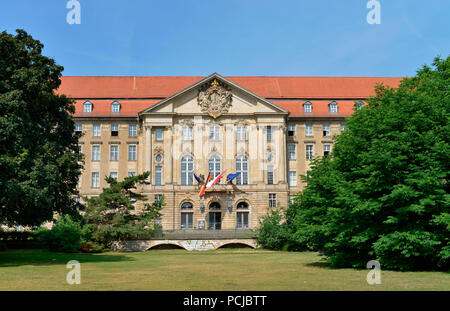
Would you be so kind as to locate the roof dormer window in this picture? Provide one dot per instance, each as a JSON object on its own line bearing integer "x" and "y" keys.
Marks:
{"x": 115, "y": 107}
{"x": 307, "y": 107}
{"x": 87, "y": 107}
{"x": 333, "y": 107}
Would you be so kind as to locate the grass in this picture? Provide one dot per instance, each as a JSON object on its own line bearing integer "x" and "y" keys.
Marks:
{"x": 223, "y": 269}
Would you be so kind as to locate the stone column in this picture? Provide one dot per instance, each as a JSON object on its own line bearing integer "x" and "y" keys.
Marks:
{"x": 148, "y": 149}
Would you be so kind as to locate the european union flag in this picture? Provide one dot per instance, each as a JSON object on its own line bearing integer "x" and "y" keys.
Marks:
{"x": 230, "y": 177}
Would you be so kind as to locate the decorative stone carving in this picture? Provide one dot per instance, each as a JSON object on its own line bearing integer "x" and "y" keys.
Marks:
{"x": 214, "y": 98}
{"x": 158, "y": 150}
{"x": 187, "y": 122}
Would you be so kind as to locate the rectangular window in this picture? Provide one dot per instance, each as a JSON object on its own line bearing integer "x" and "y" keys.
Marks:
{"x": 272, "y": 200}
{"x": 291, "y": 130}
{"x": 187, "y": 133}
{"x": 326, "y": 150}
{"x": 326, "y": 130}
{"x": 130, "y": 174}
{"x": 114, "y": 153}
{"x": 214, "y": 133}
{"x": 241, "y": 133}
{"x": 113, "y": 174}
{"x": 96, "y": 130}
{"x": 95, "y": 153}
{"x": 157, "y": 197}
{"x": 158, "y": 175}
{"x": 87, "y": 108}
{"x": 269, "y": 133}
{"x": 115, "y": 108}
{"x": 159, "y": 134}
{"x": 132, "y": 153}
{"x": 333, "y": 108}
{"x": 114, "y": 130}
{"x": 132, "y": 130}
{"x": 78, "y": 128}
{"x": 292, "y": 178}
{"x": 270, "y": 175}
{"x": 241, "y": 220}
{"x": 95, "y": 180}
{"x": 309, "y": 130}
{"x": 342, "y": 127}
{"x": 187, "y": 220}
{"x": 309, "y": 152}
{"x": 307, "y": 107}
{"x": 291, "y": 152}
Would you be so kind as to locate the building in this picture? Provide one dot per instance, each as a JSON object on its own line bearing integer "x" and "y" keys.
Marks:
{"x": 266, "y": 128}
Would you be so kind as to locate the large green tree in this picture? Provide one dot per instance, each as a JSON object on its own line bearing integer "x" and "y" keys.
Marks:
{"x": 112, "y": 215}
{"x": 383, "y": 193}
{"x": 39, "y": 154}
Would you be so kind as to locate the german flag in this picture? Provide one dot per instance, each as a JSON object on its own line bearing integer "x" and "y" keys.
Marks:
{"x": 202, "y": 192}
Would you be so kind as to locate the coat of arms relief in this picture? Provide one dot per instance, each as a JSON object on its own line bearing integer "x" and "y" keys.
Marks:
{"x": 214, "y": 98}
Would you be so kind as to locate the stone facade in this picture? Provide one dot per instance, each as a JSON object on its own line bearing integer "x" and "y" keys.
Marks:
{"x": 204, "y": 124}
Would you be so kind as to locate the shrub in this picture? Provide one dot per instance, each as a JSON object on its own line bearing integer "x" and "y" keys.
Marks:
{"x": 66, "y": 235}
{"x": 271, "y": 233}
{"x": 3, "y": 246}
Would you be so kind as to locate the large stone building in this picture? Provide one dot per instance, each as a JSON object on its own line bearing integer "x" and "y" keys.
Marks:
{"x": 266, "y": 128}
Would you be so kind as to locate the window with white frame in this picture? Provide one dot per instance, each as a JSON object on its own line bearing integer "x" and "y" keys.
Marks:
{"x": 157, "y": 197}
{"x": 309, "y": 152}
{"x": 96, "y": 130}
{"x": 307, "y": 107}
{"x": 272, "y": 200}
{"x": 87, "y": 107}
{"x": 132, "y": 130}
{"x": 342, "y": 127}
{"x": 333, "y": 107}
{"x": 242, "y": 220}
{"x": 214, "y": 166}
{"x": 187, "y": 133}
{"x": 158, "y": 175}
{"x": 78, "y": 128}
{"x": 242, "y": 168}
{"x": 270, "y": 174}
{"x": 132, "y": 153}
{"x": 291, "y": 130}
{"x": 115, "y": 107}
{"x": 131, "y": 174}
{"x": 291, "y": 152}
{"x": 241, "y": 133}
{"x": 214, "y": 132}
{"x": 187, "y": 216}
{"x": 95, "y": 153}
{"x": 95, "y": 180}
{"x": 292, "y": 178}
{"x": 113, "y": 174}
{"x": 326, "y": 130}
{"x": 269, "y": 133}
{"x": 187, "y": 171}
{"x": 114, "y": 130}
{"x": 114, "y": 153}
{"x": 326, "y": 150}
{"x": 159, "y": 134}
{"x": 309, "y": 130}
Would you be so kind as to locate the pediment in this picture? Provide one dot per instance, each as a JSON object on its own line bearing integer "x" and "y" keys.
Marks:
{"x": 215, "y": 96}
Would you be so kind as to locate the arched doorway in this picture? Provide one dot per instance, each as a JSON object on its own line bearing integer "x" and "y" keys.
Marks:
{"x": 214, "y": 216}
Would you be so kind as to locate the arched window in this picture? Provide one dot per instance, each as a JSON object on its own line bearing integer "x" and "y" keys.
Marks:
{"x": 242, "y": 168}
{"x": 115, "y": 107}
{"x": 187, "y": 171}
{"x": 187, "y": 205}
{"x": 214, "y": 166}
{"x": 214, "y": 206}
{"x": 242, "y": 205}
{"x": 333, "y": 107}
{"x": 307, "y": 107}
{"x": 87, "y": 107}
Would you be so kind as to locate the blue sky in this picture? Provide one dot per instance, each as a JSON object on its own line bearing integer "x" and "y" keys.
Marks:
{"x": 236, "y": 37}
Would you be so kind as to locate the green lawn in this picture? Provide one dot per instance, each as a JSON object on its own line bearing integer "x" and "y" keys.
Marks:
{"x": 226, "y": 269}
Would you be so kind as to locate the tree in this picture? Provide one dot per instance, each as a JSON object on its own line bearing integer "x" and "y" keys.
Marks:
{"x": 112, "y": 215}
{"x": 383, "y": 193}
{"x": 39, "y": 153}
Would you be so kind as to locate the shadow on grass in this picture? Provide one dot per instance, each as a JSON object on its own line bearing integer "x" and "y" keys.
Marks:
{"x": 320, "y": 264}
{"x": 39, "y": 257}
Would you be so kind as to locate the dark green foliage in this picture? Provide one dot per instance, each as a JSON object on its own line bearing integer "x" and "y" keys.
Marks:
{"x": 66, "y": 235}
{"x": 271, "y": 233}
{"x": 18, "y": 239}
{"x": 383, "y": 193}
{"x": 111, "y": 216}
{"x": 39, "y": 155}
{"x": 3, "y": 246}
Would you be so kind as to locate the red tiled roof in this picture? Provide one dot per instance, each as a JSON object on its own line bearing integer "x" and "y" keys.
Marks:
{"x": 343, "y": 89}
